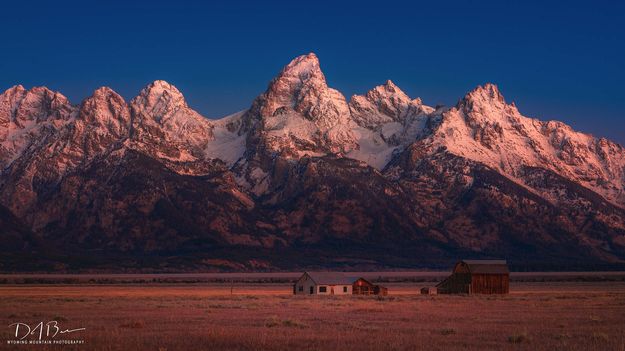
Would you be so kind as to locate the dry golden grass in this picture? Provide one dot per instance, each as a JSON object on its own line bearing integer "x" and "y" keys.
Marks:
{"x": 547, "y": 316}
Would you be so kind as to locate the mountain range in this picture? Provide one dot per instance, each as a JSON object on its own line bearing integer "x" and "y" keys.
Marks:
{"x": 304, "y": 178}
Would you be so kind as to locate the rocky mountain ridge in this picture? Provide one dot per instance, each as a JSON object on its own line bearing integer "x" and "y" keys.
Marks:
{"x": 370, "y": 182}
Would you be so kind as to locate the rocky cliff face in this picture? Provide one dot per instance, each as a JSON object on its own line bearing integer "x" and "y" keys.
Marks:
{"x": 303, "y": 178}
{"x": 165, "y": 127}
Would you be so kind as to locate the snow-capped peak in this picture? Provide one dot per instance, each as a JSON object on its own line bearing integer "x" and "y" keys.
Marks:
{"x": 485, "y": 109}
{"x": 390, "y": 88}
{"x": 488, "y": 90}
{"x": 28, "y": 117}
{"x": 159, "y": 99}
{"x": 383, "y": 104}
{"x": 300, "y": 113}
{"x": 487, "y": 95}
{"x": 9, "y": 103}
{"x": 387, "y": 119}
{"x": 162, "y": 117}
{"x": 13, "y": 90}
{"x": 304, "y": 67}
{"x": 164, "y": 103}
{"x": 102, "y": 95}
{"x": 160, "y": 85}
{"x": 301, "y": 87}
{"x": 107, "y": 111}
{"x": 22, "y": 104}
{"x": 21, "y": 108}
{"x": 483, "y": 128}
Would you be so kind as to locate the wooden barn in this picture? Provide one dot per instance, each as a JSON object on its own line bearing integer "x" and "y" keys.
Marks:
{"x": 477, "y": 277}
{"x": 335, "y": 283}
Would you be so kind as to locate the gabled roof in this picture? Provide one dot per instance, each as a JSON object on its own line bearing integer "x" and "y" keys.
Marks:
{"x": 487, "y": 266}
{"x": 332, "y": 278}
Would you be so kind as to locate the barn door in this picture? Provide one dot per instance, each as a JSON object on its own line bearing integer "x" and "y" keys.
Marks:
{"x": 311, "y": 290}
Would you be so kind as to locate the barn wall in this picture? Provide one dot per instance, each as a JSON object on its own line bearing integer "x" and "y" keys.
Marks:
{"x": 490, "y": 284}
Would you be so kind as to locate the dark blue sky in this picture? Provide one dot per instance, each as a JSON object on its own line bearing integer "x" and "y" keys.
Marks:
{"x": 556, "y": 61}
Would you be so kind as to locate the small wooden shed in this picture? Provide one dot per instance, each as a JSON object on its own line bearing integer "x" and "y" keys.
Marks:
{"x": 477, "y": 277}
{"x": 364, "y": 287}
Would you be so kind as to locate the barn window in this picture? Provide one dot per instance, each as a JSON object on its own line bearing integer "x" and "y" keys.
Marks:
{"x": 344, "y": 289}
{"x": 301, "y": 288}
{"x": 323, "y": 289}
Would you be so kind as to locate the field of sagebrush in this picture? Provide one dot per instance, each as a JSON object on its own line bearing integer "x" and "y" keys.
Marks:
{"x": 535, "y": 316}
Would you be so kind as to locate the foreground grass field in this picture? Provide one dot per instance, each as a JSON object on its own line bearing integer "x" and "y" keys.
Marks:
{"x": 536, "y": 316}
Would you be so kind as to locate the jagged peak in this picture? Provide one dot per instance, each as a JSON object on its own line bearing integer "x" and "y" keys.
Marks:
{"x": 104, "y": 102}
{"x": 159, "y": 96}
{"x": 488, "y": 92}
{"x": 163, "y": 84}
{"x": 41, "y": 89}
{"x": 301, "y": 86}
{"x": 39, "y": 92}
{"x": 387, "y": 90}
{"x": 46, "y": 93}
{"x": 304, "y": 67}
{"x": 160, "y": 87}
{"x": 105, "y": 92}
{"x": 160, "y": 99}
{"x": 390, "y": 86}
{"x": 14, "y": 89}
{"x": 387, "y": 93}
{"x": 301, "y": 71}
{"x": 484, "y": 105}
{"x": 38, "y": 103}
{"x": 14, "y": 95}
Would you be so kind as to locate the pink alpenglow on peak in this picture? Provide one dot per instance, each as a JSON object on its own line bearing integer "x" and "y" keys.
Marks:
{"x": 305, "y": 66}
{"x": 304, "y": 166}
{"x": 302, "y": 87}
{"x": 300, "y": 116}
{"x": 107, "y": 108}
{"x": 485, "y": 95}
{"x": 160, "y": 97}
{"x": 385, "y": 103}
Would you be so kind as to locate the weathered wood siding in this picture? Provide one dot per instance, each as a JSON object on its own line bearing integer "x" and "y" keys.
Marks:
{"x": 477, "y": 277}
{"x": 490, "y": 284}
{"x": 363, "y": 287}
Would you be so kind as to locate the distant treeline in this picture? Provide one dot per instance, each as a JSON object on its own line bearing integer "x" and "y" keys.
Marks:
{"x": 142, "y": 280}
